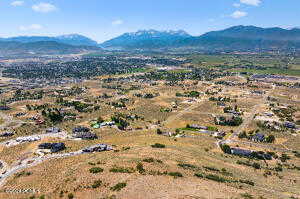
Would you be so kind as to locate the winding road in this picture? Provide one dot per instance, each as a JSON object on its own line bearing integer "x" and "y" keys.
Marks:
{"x": 30, "y": 162}
{"x": 16, "y": 141}
{"x": 181, "y": 113}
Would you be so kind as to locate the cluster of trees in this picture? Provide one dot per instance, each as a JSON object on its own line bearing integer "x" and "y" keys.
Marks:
{"x": 195, "y": 74}
{"x": 211, "y": 92}
{"x": 79, "y": 106}
{"x": 229, "y": 83}
{"x": 221, "y": 99}
{"x": 285, "y": 113}
{"x": 251, "y": 134}
{"x": 120, "y": 121}
{"x": 270, "y": 139}
{"x": 75, "y": 90}
{"x": 36, "y": 107}
{"x": 229, "y": 109}
{"x": 233, "y": 121}
{"x": 147, "y": 95}
{"x": 188, "y": 94}
{"x": 54, "y": 115}
{"x": 226, "y": 148}
{"x": 20, "y": 95}
{"x": 114, "y": 87}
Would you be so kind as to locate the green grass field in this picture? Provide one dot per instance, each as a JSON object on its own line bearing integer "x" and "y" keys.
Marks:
{"x": 270, "y": 64}
{"x": 271, "y": 71}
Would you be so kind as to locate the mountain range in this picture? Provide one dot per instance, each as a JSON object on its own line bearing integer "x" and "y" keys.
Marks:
{"x": 65, "y": 44}
{"x": 146, "y": 39}
{"x": 71, "y": 39}
{"x": 9, "y": 48}
{"x": 237, "y": 38}
{"x": 257, "y": 33}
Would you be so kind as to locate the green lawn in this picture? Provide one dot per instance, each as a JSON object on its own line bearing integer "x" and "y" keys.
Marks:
{"x": 271, "y": 71}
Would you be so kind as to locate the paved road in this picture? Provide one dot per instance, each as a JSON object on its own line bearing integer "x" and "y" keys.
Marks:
{"x": 246, "y": 121}
{"x": 6, "y": 171}
{"x": 14, "y": 142}
{"x": 30, "y": 162}
{"x": 181, "y": 113}
{"x": 245, "y": 124}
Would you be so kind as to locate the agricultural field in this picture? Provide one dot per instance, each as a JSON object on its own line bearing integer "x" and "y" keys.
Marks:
{"x": 253, "y": 64}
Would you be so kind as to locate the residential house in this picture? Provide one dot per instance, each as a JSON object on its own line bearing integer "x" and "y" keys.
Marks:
{"x": 258, "y": 137}
{"x": 84, "y": 133}
{"x": 53, "y": 147}
{"x": 97, "y": 148}
{"x": 53, "y": 130}
{"x": 6, "y": 134}
{"x": 241, "y": 152}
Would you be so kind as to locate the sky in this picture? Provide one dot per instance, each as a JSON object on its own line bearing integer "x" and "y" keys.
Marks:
{"x": 104, "y": 19}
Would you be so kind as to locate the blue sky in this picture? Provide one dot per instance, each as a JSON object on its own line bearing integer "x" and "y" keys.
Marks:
{"x": 105, "y": 19}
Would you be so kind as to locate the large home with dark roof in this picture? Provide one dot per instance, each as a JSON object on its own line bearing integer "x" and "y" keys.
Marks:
{"x": 241, "y": 152}
{"x": 6, "y": 134}
{"x": 84, "y": 133}
{"x": 258, "y": 137}
{"x": 53, "y": 147}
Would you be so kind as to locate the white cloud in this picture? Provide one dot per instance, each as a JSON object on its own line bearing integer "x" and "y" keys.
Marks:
{"x": 44, "y": 7}
{"x": 17, "y": 3}
{"x": 236, "y": 5}
{"x": 251, "y": 2}
{"x": 238, "y": 14}
{"x": 117, "y": 22}
{"x": 31, "y": 27}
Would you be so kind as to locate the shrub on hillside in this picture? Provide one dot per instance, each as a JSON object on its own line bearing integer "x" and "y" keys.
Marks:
{"x": 118, "y": 186}
{"x": 158, "y": 145}
{"x": 96, "y": 170}
{"x": 116, "y": 169}
{"x": 175, "y": 174}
